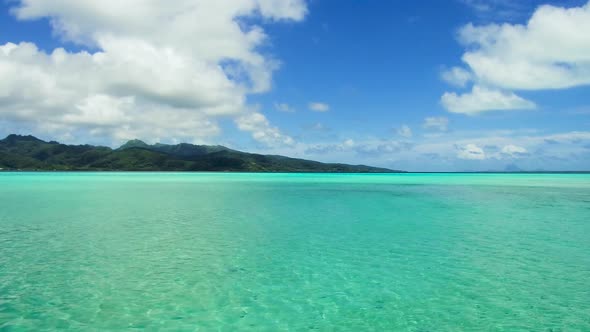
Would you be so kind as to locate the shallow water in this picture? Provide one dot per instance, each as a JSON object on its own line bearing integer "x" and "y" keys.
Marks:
{"x": 271, "y": 252}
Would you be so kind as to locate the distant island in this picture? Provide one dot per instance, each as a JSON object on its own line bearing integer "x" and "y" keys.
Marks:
{"x": 29, "y": 153}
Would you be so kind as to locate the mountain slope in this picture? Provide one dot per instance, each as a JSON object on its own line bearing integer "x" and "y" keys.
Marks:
{"x": 30, "y": 153}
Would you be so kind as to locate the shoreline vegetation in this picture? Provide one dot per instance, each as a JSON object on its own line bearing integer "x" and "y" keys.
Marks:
{"x": 28, "y": 153}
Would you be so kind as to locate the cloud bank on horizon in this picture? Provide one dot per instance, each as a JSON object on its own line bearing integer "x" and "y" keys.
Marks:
{"x": 206, "y": 72}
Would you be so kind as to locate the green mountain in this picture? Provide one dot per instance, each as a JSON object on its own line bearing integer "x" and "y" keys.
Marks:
{"x": 30, "y": 153}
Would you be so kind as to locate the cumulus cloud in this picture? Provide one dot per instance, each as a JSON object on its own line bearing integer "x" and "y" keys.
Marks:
{"x": 261, "y": 129}
{"x": 517, "y": 57}
{"x": 456, "y": 76}
{"x": 514, "y": 151}
{"x": 319, "y": 107}
{"x": 505, "y": 57}
{"x": 440, "y": 123}
{"x": 470, "y": 152}
{"x": 482, "y": 99}
{"x": 171, "y": 69}
{"x": 404, "y": 131}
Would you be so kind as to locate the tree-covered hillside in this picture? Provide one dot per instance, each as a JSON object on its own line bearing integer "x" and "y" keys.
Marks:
{"x": 30, "y": 153}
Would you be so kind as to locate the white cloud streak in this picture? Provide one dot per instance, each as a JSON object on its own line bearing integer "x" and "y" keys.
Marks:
{"x": 440, "y": 123}
{"x": 284, "y": 107}
{"x": 319, "y": 107}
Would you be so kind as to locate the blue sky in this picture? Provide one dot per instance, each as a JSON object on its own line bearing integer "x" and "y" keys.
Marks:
{"x": 422, "y": 86}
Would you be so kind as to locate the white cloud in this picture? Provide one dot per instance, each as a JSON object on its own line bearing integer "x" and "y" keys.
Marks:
{"x": 318, "y": 127}
{"x": 320, "y": 149}
{"x": 514, "y": 56}
{"x": 532, "y": 149}
{"x": 171, "y": 69}
{"x": 349, "y": 143}
{"x": 514, "y": 151}
{"x": 284, "y": 107}
{"x": 456, "y": 76}
{"x": 470, "y": 152}
{"x": 570, "y": 137}
{"x": 262, "y": 131}
{"x": 494, "y": 9}
{"x": 547, "y": 151}
{"x": 550, "y": 51}
{"x": 319, "y": 107}
{"x": 482, "y": 99}
{"x": 375, "y": 148}
{"x": 478, "y": 5}
{"x": 404, "y": 131}
{"x": 282, "y": 9}
{"x": 441, "y": 123}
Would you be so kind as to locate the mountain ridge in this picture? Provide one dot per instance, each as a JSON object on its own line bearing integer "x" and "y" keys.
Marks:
{"x": 30, "y": 153}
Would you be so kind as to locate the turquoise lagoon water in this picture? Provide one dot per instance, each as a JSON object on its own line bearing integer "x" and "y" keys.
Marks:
{"x": 278, "y": 252}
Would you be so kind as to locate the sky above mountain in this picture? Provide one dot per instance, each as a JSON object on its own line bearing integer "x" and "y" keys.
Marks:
{"x": 417, "y": 85}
